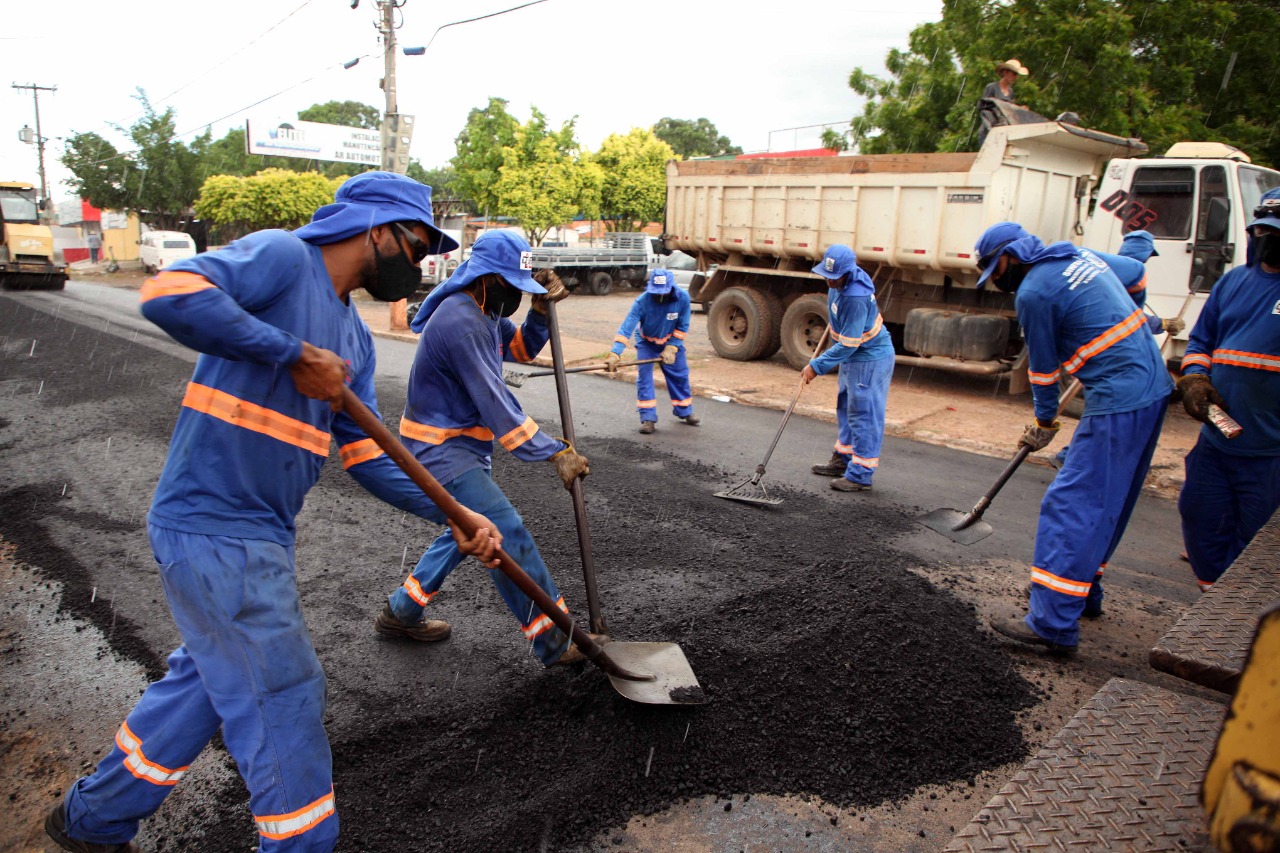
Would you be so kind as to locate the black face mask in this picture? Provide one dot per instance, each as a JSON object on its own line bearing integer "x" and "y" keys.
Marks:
{"x": 1012, "y": 278}
{"x": 501, "y": 299}
{"x": 394, "y": 277}
{"x": 1267, "y": 249}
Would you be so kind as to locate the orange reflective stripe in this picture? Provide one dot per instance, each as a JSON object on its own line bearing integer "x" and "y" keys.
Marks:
{"x": 518, "y": 350}
{"x": 646, "y": 404}
{"x": 294, "y": 823}
{"x": 359, "y": 451}
{"x": 126, "y": 739}
{"x": 866, "y": 462}
{"x": 173, "y": 284}
{"x": 688, "y": 402}
{"x": 844, "y": 449}
{"x": 847, "y": 341}
{"x": 1196, "y": 358}
{"x": 1115, "y": 334}
{"x": 138, "y": 764}
{"x": 520, "y": 434}
{"x": 1080, "y": 589}
{"x": 1204, "y": 585}
{"x": 255, "y": 418}
{"x": 678, "y": 335}
{"x": 416, "y": 592}
{"x": 542, "y": 623}
{"x": 621, "y": 340}
{"x": 1256, "y": 360}
{"x": 1139, "y": 287}
{"x": 439, "y": 435}
{"x": 655, "y": 340}
{"x": 1044, "y": 378}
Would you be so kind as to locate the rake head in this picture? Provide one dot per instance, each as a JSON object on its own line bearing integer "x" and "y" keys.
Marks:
{"x": 514, "y": 378}
{"x": 750, "y": 492}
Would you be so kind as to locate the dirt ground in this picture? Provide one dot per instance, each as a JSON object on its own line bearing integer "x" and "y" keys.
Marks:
{"x": 885, "y": 704}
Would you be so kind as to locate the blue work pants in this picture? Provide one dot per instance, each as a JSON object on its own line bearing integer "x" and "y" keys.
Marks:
{"x": 860, "y": 407}
{"x": 1084, "y": 514}
{"x": 477, "y": 491}
{"x": 246, "y": 665}
{"x": 1225, "y": 500}
{"x": 677, "y": 376}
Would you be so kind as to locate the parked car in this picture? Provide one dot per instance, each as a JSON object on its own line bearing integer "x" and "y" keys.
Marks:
{"x": 160, "y": 249}
{"x": 685, "y": 269}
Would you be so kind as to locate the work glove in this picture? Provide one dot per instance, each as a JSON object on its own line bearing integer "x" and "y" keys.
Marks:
{"x": 669, "y": 353}
{"x": 1197, "y": 393}
{"x": 570, "y": 465}
{"x": 611, "y": 362}
{"x": 555, "y": 290}
{"x": 1173, "y": 325}
{"x": 1038, "y": 435}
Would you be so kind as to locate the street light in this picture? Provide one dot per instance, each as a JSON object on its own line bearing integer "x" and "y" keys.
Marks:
{"x": 414, "y": 51}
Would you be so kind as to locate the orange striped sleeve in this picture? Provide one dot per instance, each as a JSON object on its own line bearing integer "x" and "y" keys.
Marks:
{"x": 173, "y": 284}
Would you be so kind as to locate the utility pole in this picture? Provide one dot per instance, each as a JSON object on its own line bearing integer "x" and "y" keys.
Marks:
{"x": 45, "y": 206}
{"x": 397, "y": 130}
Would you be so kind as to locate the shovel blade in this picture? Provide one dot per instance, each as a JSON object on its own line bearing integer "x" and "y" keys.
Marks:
{"x": 514, "y": 378}
{"x": 949, "y": 523}
{"x": 673, "y": 683}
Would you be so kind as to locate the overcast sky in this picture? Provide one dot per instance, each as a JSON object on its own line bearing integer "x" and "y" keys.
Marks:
{"x": 757, "y": 70}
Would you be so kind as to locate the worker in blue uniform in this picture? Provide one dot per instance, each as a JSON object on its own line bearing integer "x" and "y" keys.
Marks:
{"x": 457, "y": 405}
{"x": 862, "y": 351}
{"x": 659, "y": 318}
{"x": 1129, "y": 265}
{"x": 278, "y": 335}
{"x": 1232, "y": 486}
{"x": 1076, "y": 316}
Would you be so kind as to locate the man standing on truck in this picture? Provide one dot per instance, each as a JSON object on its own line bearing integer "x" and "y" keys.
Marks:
{"x": 279, "y": 336}
{"x": 660, "y": 320}
{"x": 1075, "y": 315}
{"x": 1233, "y": 361}
{"x": 457, "y": 404}
{"x": 863, "y": 352}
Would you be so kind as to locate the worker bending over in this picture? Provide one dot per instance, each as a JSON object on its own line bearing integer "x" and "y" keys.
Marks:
{"x": 1233, "y": 360}
{"x": 1076, "y": 316}
{"x": 660, "y": 320}
{"x": 863, "y": 352}
{"x": 279, "y": 336}
{"x": 457, "y": 404}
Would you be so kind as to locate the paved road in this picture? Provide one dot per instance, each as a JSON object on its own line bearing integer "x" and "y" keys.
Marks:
{"x": 107, "y": 439}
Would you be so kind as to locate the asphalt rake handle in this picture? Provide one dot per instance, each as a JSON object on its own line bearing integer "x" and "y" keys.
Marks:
{"x": 377, "y": 430}
{"x": 516, "y": 379}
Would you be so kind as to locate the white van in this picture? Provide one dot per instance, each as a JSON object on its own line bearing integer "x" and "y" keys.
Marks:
{"x": 160, "y": 249}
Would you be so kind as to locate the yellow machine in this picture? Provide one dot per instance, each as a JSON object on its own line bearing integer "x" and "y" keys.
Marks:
{"x": 28, "y": 260}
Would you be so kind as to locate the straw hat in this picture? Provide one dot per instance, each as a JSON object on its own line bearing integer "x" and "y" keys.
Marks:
{"x": 1013, "y": 65}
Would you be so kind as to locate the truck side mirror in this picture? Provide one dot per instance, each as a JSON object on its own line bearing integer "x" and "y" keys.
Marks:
{"x": 1215, "y": 225}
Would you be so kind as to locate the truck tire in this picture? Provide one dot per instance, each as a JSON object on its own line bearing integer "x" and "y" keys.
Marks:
{"x": 743, "y": 324}
{"x": 802, "y": 325}
{"x": 600, "y": 283}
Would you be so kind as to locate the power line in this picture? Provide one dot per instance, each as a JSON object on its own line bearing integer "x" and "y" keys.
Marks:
{"x": 480, "y": 18}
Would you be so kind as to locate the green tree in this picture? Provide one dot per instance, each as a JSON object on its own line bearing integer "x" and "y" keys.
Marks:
{"x": 345, "y": 113}
{"x": 635, "y": 179}
{"x": 1163, "y": 71}
{"x": 159, "y": 179}
{"x": 542, "y": 184}
{"x": 273, "y": 198}
{"x": 693, "y": 138}
{"x": 480, "y": 158}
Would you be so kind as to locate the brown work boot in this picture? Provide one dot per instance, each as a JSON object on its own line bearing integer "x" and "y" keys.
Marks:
{"x": 844, "y": 484}
{"x": 1020, "y": 631}
{"x": 692, "y": 420}
{"x": 55, "y": 826}
{"x": 647, "y": 428}
{"x": 426, "y": 631}
{"x": 574, "y": 655}
{"x": 834, "y": 468}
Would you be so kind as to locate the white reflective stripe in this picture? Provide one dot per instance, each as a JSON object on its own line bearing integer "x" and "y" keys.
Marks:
{"x": 295, "y": 823}
{"x": 1044, "y": 378}
{"x": 1238, "y": 358}
{"x": 861, "y": 339}
{"x": 844, "y": 449}
{"x": 125, "y": 739}
{"x": 542, "y": 623}
{"x": 1196, "y": 358}
{"x": 1057, "y": 584}
{"x": 866, "y": 463}
{"x": 416, "y": 592}
{"x": 138, "y": 765}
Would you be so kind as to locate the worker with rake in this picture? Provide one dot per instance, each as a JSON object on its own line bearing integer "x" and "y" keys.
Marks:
{"x": 1076, "y": 315}
{"x": 659, "y": 318}
{"x": 458, "y": 403}
{"x": 863, "y": 352}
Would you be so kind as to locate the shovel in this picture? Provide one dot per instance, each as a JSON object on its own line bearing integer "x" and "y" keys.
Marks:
{"x": 968, "y": 528}
{"x": 516, "y": 379}
{"x": 652, "y": 673}
{"x": 750, "y": 490}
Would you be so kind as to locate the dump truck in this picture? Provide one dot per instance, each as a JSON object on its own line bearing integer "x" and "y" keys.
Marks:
{"x": 28, "y": 260}
{"x": 622, "y": 257}
{"x": 913, "y": 220}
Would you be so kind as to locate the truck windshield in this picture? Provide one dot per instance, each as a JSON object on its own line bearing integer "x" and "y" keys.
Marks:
{"x": 18, "y": 206}
{"x": 1253, "y": 183}
{"x": 1168, "y": 192}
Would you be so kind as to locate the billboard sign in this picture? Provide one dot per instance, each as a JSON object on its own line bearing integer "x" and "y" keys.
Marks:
{"x": 311, "y": 140}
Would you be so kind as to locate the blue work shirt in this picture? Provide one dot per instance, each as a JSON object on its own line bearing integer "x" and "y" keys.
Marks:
{"x": 662, "y": 322}
{"x": 856, "y": 328}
